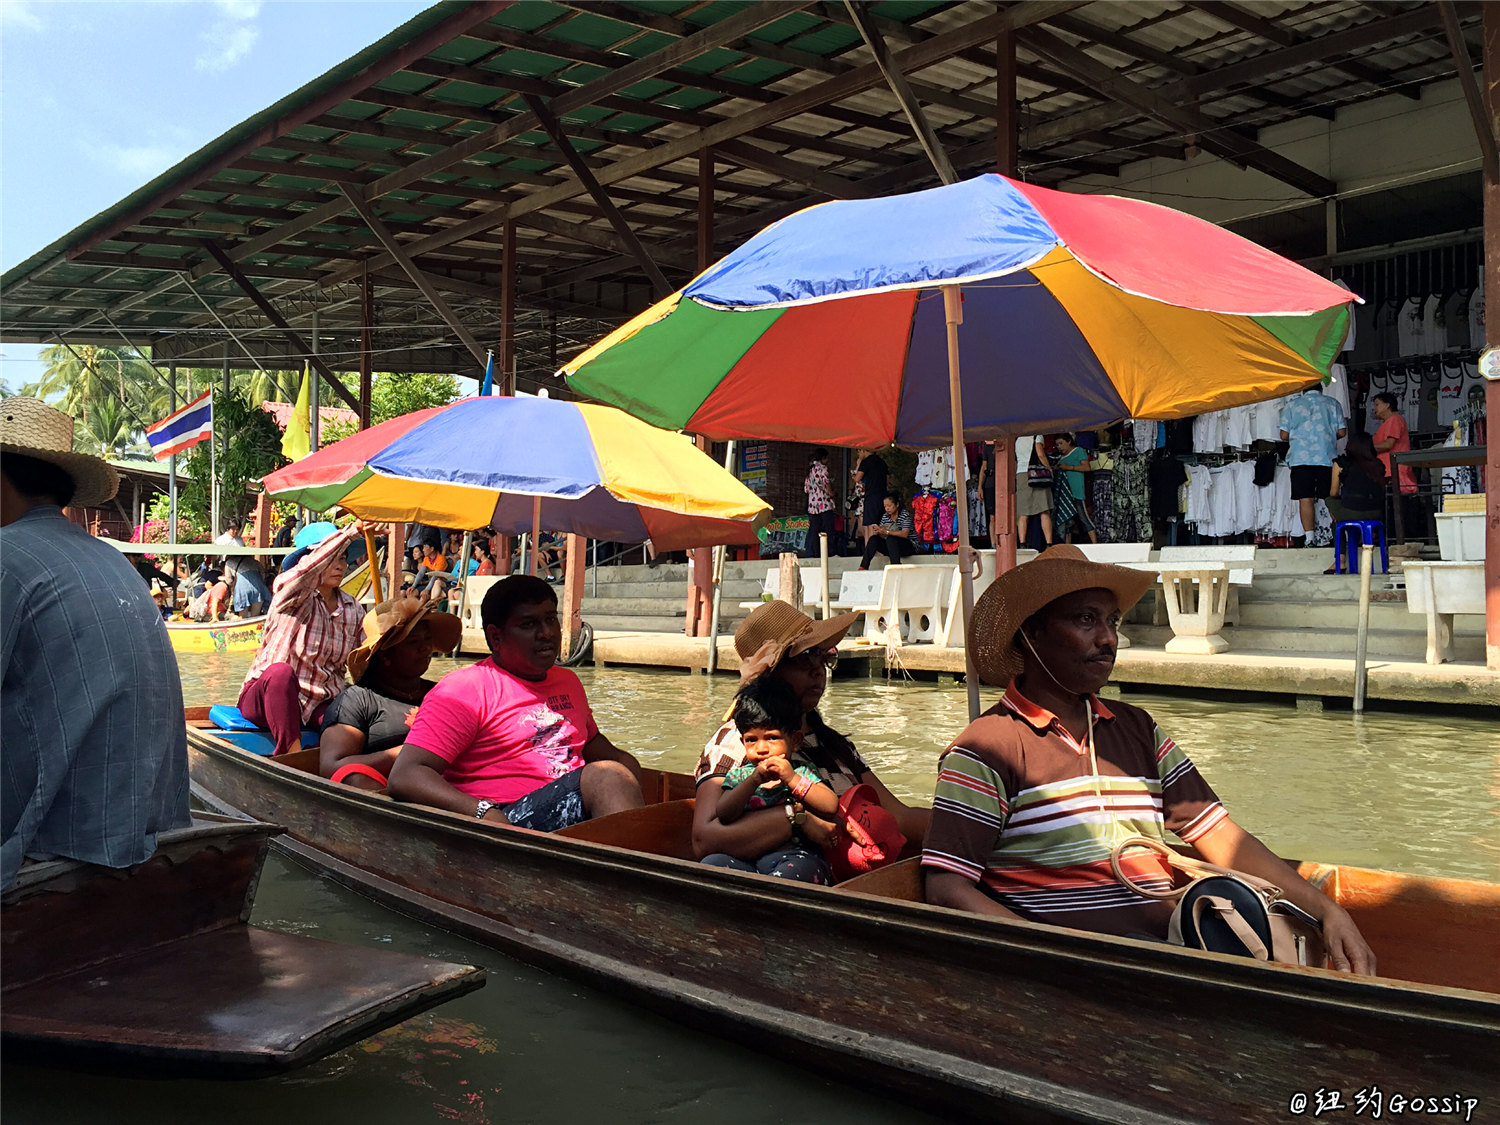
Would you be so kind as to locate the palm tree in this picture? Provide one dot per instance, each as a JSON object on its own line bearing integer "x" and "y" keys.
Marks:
{"x": 105, "y": 428}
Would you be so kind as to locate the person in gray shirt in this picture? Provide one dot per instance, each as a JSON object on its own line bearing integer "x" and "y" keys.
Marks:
{"x": 94, "y": 758}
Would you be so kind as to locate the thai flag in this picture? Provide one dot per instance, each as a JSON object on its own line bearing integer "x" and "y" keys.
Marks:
{"x": 184, "y": 428}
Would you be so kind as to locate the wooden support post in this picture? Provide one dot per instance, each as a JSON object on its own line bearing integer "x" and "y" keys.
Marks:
{"x": 1006, "y": 155}
{"x": 261, "y": 536}
{"x": 1491, "y": 334}
{"x": 789, "y": 580}
{"x": 507, "y": 355}
{"x": 395, "y": 557}
{"x": 574, "y": 565}
{"x": 366, "y": 346}
{"x": 700, "y": 590}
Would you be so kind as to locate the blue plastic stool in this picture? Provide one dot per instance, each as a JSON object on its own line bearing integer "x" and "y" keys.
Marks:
{"x": 1368, "y": 531}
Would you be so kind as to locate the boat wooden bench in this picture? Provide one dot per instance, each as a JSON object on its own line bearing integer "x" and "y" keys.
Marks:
{"x": 153, "y": 970}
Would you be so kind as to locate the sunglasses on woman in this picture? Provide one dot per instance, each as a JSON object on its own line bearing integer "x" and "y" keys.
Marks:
{"x": 812, "y": 657}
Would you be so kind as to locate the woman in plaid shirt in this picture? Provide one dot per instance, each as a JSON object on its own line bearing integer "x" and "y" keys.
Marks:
{"x": 311, "y": 628}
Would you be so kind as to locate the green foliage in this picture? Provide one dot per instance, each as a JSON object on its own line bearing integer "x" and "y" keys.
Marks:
{"x": 392, "y": 395}
{"x": 254, "y": 450}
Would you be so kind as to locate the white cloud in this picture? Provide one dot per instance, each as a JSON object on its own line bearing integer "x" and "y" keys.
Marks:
{"x": 19, "y": 15}
{"x": 230, "y": 37}
{"x": 139, "y": 162}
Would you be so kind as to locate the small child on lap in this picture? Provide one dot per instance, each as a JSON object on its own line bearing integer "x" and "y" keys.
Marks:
{"x": 768, "y": 715}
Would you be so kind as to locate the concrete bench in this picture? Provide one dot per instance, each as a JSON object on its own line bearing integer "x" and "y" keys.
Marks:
{"x": 474, "y": 591}
{"x": 812, "y": 586}
{"x": 951, "y": 635}
{"x": 919, "y": 598}
{"x": 879, "y": 607}
{"x": 1239, "y": 559}
{"x": 1196, "y": 596}
{"x": 1439, "y": 590}
{"x": 1117, "y": 553}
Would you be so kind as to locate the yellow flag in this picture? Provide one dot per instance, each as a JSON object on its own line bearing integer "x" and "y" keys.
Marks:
{"x": 296, "y": 443}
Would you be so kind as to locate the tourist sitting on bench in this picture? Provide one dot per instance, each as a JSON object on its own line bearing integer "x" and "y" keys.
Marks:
{"x": 893, "y": 535}
{"x": 512, "y": 740}
{"x": 1035, "y": 795}
{"x": 366, "y": 724}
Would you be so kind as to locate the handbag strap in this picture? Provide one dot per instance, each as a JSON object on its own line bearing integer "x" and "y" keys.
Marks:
{"x": 1171, "y": 894}
{"x": 1194, "y": 868}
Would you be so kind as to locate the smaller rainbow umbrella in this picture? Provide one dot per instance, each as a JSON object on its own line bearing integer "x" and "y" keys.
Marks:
{"x": 528, "y": 464}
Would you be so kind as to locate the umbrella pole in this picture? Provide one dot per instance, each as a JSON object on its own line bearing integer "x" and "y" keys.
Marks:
{"x": 374, "y": 564}
{"x": 954, "y": 314}
{"x": 720, "y": 552}
{"x": 536, "y": 527}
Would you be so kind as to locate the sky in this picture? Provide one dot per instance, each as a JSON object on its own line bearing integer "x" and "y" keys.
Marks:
{"x": 98, "y": 99}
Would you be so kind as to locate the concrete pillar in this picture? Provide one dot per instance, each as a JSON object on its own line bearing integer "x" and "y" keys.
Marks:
{"x": 1491, "y": 334}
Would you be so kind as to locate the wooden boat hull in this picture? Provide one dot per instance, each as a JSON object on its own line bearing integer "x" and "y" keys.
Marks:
{"x": 220, "y": 636}
{"x": 991, "y": 1019}
{"x": 153, "y": 970}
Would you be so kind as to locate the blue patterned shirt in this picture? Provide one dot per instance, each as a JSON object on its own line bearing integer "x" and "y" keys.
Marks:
{"x": 95, "y": 747}
{"x": 1312, "y": 421}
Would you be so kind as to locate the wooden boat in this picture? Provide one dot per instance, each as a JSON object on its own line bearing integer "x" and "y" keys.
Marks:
{"x": 985, "y": 1018}
{"x": 154, "y": 970}
{"x": 242, "y": 635}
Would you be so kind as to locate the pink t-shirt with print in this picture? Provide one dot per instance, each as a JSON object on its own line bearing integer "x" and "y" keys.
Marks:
{"x": 504, "y": 736}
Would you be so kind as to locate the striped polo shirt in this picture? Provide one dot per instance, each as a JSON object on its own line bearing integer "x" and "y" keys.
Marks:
{"x": 1018, "y": 812}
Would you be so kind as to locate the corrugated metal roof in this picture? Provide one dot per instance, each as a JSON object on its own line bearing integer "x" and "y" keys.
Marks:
{"x": 788, "y": 94}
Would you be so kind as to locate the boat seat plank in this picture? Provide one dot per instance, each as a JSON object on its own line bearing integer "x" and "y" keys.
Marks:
{"x": 901, "y": 881}
{"x": 664, "y": 828}
{"x": 234, "y": 1002}
{"x": 1424, "y": 929}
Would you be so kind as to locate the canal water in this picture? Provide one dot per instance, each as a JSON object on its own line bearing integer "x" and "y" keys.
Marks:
{"x": 1416, "y": 792}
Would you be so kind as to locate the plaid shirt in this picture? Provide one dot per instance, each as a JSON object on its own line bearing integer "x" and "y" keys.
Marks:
{"x": 95, "y": 752}
{"x": 301, "y": 630}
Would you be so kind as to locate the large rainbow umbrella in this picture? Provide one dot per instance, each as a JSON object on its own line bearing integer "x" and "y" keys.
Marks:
{"x": 1078, "y": 311}
{"x": 519, "y": 464}
{"x": 840, "y": 325}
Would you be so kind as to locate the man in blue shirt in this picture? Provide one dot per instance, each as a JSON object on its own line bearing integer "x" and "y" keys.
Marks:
{"x": 1313, "y": 424}
{"x": 95, "y": 759}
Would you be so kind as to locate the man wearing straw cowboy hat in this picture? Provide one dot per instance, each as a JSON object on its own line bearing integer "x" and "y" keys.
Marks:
{"x": 1034, "y": 794}
{"x": 95, "y": 758}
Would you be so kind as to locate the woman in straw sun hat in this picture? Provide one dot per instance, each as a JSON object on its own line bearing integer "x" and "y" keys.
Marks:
{"x": 779, "y": 640}
{"x": 1035, "y": 794}
{"x": 366, "y": 724}
{"x": 90, "y": 700}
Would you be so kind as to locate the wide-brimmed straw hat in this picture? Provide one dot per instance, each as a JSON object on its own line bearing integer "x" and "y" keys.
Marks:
{"x": 1017, "y": 594}
{"x": 30, "y": 427}
{"x": 777, "y": 630}
{"x": 390, "y": 622}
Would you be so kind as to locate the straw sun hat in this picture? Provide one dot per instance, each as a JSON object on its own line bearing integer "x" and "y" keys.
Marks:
{"x": 30, "y": 427}
{"x": 1018, "y": 593}
{"x": 778, "y": 629}
{"x": 390, "y": 622}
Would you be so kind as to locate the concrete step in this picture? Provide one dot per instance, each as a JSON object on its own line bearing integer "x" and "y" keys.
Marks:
{"x": 610, "y": 622}
{"x": 1319, "y": 642}
{"x": 635, "y": 607}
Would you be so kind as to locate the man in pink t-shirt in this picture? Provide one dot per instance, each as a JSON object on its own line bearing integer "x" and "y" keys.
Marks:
{"x": 511, "y": 739}
{"x": 1392, "y": 436}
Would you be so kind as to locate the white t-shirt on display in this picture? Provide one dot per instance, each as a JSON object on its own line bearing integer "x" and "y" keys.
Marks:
{"x": 1409, "y": 327}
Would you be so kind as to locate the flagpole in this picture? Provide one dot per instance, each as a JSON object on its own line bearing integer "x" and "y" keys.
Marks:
{"x": 172, "y": 480}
